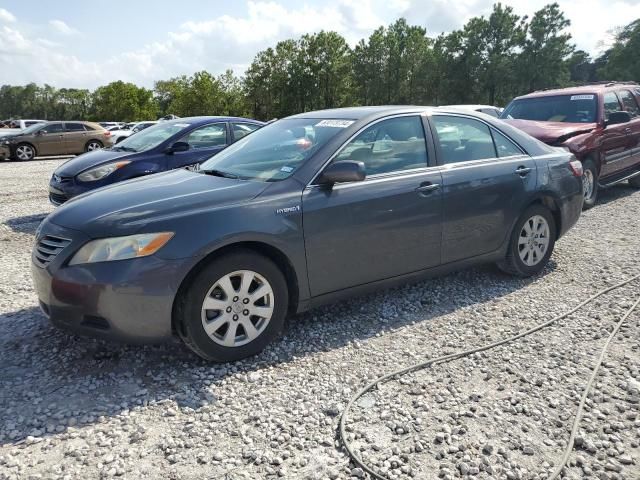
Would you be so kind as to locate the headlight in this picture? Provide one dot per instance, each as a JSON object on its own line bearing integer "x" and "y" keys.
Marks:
{"x": 121, "y": 248}
{"x": 102, "y": 171}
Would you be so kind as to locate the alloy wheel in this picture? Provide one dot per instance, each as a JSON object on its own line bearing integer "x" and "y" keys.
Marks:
{"x": 24, "y": 152}
{"x": 93, "y": 146}
{"x": 237, "y": 308}
{"x": 534, "y": 240}
{"x": 588, "y": 182}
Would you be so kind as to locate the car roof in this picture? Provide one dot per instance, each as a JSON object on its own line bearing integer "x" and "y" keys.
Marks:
{"x": 471, "y": 106}
{"x": 361, "y": 113}
{"x": 203, "y": 119}
{"x": 592, "y": 89}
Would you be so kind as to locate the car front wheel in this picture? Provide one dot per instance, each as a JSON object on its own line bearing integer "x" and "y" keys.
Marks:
{"x": 233, "y": 307}
{"x": 589, "y": 183}
{"x": 531, "y": 242}
{"x": 24, "y": 152}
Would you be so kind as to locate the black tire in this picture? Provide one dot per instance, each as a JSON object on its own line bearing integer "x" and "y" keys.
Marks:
{"x": 87, "y": 147}
{"x": 188, "y": 314}
{"x": 26, "y": 147}
{"x": 512, "y": 263}
{"x": 635, "y": 181}
{"x": 590, "y": 165}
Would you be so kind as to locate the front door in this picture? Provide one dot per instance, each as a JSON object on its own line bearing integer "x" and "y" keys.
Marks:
{"x": 615, "y": 141}
{"x": 51, "y": 142}
{"x": 487, "y": 181}
{"x": 204, "y": 142}
{"x": 385, "y": 226}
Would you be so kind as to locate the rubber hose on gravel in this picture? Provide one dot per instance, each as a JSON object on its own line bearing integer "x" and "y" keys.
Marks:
{"x": 454, "y": 356}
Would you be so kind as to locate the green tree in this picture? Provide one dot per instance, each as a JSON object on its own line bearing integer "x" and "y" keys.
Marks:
{"x": 120, "y": 101}
{"x": 622, "y": 60}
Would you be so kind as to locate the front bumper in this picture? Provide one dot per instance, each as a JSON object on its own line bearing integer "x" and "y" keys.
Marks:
{"x": 127, "y": 300}
{"x": 65, "y": 189}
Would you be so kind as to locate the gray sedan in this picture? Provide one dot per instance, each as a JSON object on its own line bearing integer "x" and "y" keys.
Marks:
{"x": 307, "y": 210}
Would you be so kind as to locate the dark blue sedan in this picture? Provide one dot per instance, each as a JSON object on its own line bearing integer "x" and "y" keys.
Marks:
{"x": 166, "y": 146}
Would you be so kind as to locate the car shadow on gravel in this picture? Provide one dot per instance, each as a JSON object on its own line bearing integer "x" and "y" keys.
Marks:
{"x": 611, "y": 194}
{"x": 26, "y": 223}
{"x": 51, "y": 380}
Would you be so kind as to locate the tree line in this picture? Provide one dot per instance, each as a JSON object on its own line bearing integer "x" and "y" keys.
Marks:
{"x": 489, "y": 60}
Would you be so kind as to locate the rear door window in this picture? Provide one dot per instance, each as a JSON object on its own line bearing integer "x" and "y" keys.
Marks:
{"x": 73, "y": 127}
{"x": 504, "y": 146}
{"x": 462, "y": 139}
{"x": 629, "y": 103}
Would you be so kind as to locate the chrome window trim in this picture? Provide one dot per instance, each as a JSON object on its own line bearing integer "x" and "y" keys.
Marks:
{"x": 382, "y": 177}
{"x": 420, "y": 114}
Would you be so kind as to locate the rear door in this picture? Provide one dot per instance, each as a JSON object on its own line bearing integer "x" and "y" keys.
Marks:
{"x": 487, "y": 182}
{"x": 630, "y": 105}
{"x": 385, "y": 226}
{"x": 204, "y": 142}
{"x": 75, "y": 137}
{"x": 615, "y": 142}
{"x": 51, "y": 142}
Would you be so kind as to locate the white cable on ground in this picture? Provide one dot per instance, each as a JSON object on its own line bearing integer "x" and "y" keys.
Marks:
{"x": 466, "y": 353}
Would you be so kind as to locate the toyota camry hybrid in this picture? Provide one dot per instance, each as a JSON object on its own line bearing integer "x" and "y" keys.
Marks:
{"x": 304, "y": 211}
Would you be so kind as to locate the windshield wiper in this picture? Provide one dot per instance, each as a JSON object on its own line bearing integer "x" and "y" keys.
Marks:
{"x": 217, "y": 173}
{"x": 120, "y": 148}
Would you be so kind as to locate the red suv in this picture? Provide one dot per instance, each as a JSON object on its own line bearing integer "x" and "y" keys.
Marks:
{"x": 599, "y": 123}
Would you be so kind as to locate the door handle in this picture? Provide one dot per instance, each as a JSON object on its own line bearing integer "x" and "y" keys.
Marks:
{"x": 522, "y": 171}
{"x": 427, "y": 188}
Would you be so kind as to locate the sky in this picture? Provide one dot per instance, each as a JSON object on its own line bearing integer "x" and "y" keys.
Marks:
{"x": 81, "y": 44}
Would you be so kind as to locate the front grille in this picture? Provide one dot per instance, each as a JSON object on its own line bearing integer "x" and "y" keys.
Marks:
{"x": 57, "y": 198}
{"x": 47, "y": 248}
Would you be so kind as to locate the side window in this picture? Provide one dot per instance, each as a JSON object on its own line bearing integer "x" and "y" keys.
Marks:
{"x": 463, "y": 139}
{"x": 629, "y": 103}
{"x": 389, "y": 146}
{"x": 54, "y": 128}
{"x": 208, "y": 136}
{"x": 504, "y": 146}
{"x": 243, "y": 129}
{"x": 611, "y": 104}
{"x": 73, "y": 127}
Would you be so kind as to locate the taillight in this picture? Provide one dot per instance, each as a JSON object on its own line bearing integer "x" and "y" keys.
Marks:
{"x": 107, "y": 133}
{"x": 576, "y": 167}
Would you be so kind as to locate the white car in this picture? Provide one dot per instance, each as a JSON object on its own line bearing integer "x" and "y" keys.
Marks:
{"x": 17, "y": 125}
{"x": 488, "y": 109}
{"x": 118, "y": 135}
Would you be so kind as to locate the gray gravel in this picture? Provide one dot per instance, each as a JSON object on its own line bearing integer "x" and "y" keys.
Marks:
{"x": 79, "y": 408}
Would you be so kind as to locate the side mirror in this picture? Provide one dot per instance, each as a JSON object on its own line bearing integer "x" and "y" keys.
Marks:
{"x": 41, "y": 132}
{"x": 177, "y": 147}
{"x": 616, "y": 118}
{"x": 344, "y": 171}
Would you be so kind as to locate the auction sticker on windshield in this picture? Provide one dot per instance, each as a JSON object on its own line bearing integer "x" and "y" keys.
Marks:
{"x": 582, "y": 97}
{"x": 334, "y": 123}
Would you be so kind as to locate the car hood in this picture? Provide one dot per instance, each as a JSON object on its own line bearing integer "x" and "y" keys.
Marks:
{"x": 551, "y": 132}
{"x": 6, "y": 133}
{"x": 126, "y": 207}
{"x": 90, "y": 159}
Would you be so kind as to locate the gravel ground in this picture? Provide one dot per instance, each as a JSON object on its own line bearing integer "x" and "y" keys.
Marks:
{"x": 80, "y": 408}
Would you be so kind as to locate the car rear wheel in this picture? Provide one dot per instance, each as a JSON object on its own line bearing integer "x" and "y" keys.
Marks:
{"x": 589, "y": 183}
{"x": 93, "y": 145}
{"x": 234, "y": 307}
{"x": 25, "y": 152}
{"x": 531, "y": 242}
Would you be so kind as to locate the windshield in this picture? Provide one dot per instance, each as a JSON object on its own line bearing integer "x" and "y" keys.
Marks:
{"x": 557, "y": 108}
{"x": 33, "y": 128}
{"x": 150, "y": 137}
{"x": 275, "y": 151}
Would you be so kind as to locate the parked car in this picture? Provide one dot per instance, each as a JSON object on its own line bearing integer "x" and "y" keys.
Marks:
{"x": 488, "y": 109}
{"x": 56, "y": 138}
{"x": 303, "y": 211}
{"x": 110, "y": 125}
{"x": 16, "y": 126}
{"x": 130, "y": 129}
{"x": 165, "y": 146}
{"x": 598, "y": 123}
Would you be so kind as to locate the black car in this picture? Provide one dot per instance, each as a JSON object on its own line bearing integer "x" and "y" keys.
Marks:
{"x": 306, "y": 210}
{"x": 163, "y": 146}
